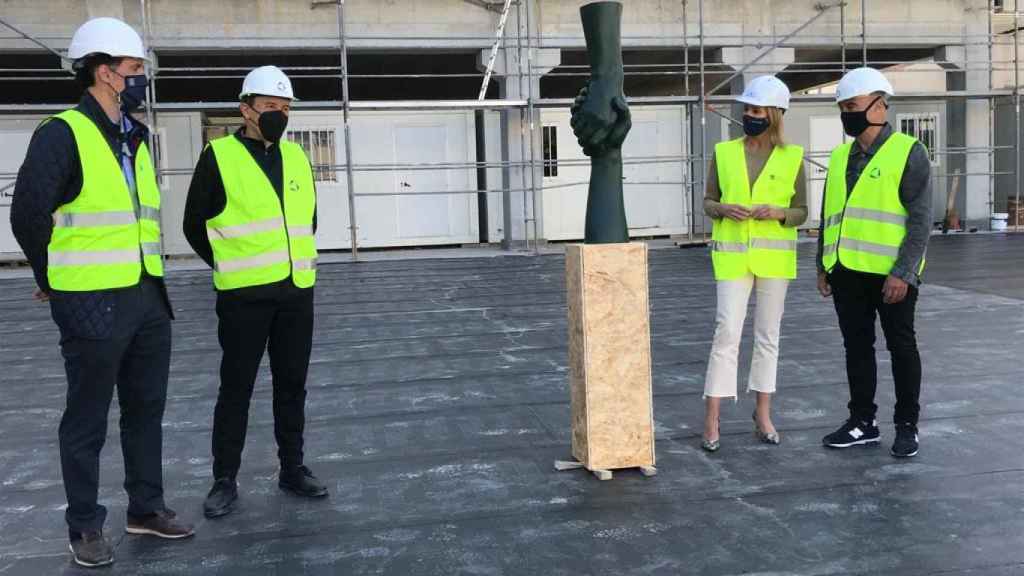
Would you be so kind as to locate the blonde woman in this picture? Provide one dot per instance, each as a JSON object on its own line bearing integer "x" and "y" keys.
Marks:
{"x": 756, "y": 195}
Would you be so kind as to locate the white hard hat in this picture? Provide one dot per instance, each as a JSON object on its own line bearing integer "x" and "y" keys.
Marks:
{"x": 108, "y": 36}
{"x": 766, "y": 91}
{"x": 267, "y": 81}
{"x": 862, "y": 81}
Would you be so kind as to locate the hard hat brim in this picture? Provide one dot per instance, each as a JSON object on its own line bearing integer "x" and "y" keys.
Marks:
{"x": 244, "y": 95}
{"x": 761, "y": 103}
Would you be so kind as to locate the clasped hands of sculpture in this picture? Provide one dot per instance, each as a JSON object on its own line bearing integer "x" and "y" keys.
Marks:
{"x": 601, "y": 121}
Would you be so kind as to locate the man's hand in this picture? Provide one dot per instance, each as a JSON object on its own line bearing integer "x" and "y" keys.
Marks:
{"x": 600, "y": 118}
{"x": 895, "y": 290}
{"x": 735, "y": 212}
{"x": 764, "y": 212}
{"x": 824, "y": 288}
{"x": 41, "y": 296}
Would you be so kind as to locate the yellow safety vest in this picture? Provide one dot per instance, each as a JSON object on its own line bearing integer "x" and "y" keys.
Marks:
{"x": 98, "y": 242}
{"x": 865, "y": 229}
{"x": 254, "y": 240}
{"x": 765, "y": 248}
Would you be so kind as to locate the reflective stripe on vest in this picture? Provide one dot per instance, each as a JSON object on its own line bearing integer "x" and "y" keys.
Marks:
{"x": 764, "y": 248}
{"x": 254, "y": 240}
{"x": 864, "y": 229}
{"x": 98, "y": 243}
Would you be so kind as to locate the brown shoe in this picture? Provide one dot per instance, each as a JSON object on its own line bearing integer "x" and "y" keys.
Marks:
{"x": 162, "y": 524}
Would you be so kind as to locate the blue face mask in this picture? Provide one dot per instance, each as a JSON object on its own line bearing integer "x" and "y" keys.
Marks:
{"x": 134, "y": 93}
{"x": 755, "y": 126}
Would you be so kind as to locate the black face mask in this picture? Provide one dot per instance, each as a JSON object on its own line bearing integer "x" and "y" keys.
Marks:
{"x": 855, "y": 123}
{"x": 272, "y": 125}
{"x": 755, "y": 126}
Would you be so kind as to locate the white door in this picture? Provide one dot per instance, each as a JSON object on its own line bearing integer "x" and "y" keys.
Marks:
{"x": 422, "y": 213}
{"x": 398, "y": 202}
{"x": 826, "y": 135}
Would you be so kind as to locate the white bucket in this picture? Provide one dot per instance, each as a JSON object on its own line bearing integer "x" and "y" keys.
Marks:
{"x": 999, "y": 220}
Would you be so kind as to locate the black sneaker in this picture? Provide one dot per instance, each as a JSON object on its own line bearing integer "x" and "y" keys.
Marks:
{"x": 905, "y": 445}
{"x": 853, "y": 433}
{"x": 221, "y": 499}
{"x": 91, "y": 550}
{"x": 301, "y": 482}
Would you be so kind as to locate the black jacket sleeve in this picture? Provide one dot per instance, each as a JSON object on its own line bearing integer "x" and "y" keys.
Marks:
{"x": 206, "y": 199}
{"x": 45, "y": 182}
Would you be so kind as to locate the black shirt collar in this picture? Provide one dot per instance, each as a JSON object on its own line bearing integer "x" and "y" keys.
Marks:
{"x": 880, "y": 140}
{"x": 255, "y": 145}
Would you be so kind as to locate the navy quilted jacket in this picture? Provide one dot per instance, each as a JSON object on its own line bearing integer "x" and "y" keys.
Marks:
{"x": 50, "y": 177}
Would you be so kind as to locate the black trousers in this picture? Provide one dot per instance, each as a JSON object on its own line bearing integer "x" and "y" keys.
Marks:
{"x": 122, "y": 340}
{"x": 280, "y": 322}
{"x": 858, "y": 299}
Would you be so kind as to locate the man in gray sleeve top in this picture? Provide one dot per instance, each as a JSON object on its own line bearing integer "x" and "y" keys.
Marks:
{"x": 875, "y": 226}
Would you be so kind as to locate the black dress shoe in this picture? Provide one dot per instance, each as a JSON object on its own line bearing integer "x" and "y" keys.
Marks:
{"x": 301, "y": 482}
{"x": 221, "y": 499}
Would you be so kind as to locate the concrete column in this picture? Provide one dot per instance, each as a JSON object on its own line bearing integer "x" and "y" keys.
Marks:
{"x": 515, "y": 134}
{"x": 977, "y": 119}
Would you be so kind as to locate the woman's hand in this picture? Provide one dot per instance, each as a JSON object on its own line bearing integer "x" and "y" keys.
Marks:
{"x": 735, "y": 212}
{"x": 768, "y": 213}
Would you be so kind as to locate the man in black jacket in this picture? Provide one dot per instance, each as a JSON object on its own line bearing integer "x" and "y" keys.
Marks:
{"x": 265, "y": 306}
{"x": 111, "y": 307}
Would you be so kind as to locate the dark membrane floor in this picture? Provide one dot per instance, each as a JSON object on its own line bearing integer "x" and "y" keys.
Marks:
{"x": 438, "y": 402}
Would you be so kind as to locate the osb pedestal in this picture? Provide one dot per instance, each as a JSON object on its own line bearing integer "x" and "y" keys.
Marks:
{"x": 609, "y": 358}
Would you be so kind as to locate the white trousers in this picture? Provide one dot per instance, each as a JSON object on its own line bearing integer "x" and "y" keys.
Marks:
{"x": 733, "y": 296}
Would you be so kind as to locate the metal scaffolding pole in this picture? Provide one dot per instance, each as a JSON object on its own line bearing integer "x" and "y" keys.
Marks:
{"x": 687, "y": 126}
{"x": 350, "y": 180}
{"x": 151, "y": 94}
{"x": 703, "y": 119}
{"x": 1016, "y": 113}
{"x": 991, "y": 115}
{"x": 533, "y": 126}
{"x": 522, "y": 123}
{"x": 864, "y": 32}
{"x": 842, "y": 33}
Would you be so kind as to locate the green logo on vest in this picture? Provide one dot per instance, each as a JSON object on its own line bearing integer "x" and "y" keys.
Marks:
{"x": 876, "y": 173}
{"x": 293, "y": 186}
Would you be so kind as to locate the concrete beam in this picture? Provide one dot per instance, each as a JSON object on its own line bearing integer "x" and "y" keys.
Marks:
{"x": 110, "y": 8}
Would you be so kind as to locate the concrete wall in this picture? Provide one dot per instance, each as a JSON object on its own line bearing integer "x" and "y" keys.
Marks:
{"x": 200, "y": 24}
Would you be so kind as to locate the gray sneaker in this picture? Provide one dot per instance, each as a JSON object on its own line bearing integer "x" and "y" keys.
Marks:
{"x": 92, "y": 550}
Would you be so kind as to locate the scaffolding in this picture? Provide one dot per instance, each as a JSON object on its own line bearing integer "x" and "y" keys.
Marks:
{"x": 519, "y": 46}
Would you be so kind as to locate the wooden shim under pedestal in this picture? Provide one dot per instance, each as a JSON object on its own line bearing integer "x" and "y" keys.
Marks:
{"x": 610, "y": 356}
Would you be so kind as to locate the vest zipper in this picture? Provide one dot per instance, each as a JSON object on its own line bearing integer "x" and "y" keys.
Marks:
{"x": 284, "y": 218}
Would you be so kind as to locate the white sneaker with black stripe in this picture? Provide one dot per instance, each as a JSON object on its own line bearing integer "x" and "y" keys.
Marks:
{"x": 853, "y": 433}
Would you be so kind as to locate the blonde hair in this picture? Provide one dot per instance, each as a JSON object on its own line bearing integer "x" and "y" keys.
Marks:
{"x": 775, "y": 129}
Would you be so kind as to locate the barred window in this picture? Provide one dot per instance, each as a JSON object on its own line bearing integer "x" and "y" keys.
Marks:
{"x": 924, "y": 127}
{"x": 550, "y": 151}
{"x": 320, "y": 148}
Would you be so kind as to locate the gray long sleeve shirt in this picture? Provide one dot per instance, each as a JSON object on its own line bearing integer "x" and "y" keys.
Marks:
{"x": 916, "y": 195}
